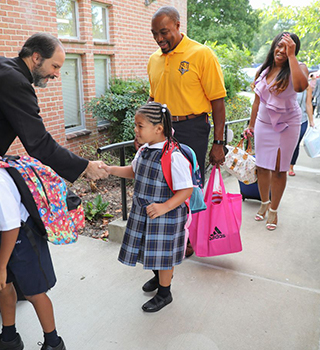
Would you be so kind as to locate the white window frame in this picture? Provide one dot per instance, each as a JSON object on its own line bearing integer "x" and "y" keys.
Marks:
{"x": 108, "y": 70}
{"x": 81, "y": 99}
{"x": 107, "y": 28}
{"x": 76, "y": 11}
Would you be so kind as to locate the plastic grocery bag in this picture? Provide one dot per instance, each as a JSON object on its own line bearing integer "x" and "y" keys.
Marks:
{"x": 312, "y": 142}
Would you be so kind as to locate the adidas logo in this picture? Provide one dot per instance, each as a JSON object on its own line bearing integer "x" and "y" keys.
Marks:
{"x": 217, "y": 234}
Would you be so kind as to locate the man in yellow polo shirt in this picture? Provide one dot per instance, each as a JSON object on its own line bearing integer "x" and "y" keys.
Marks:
{"x": 187, "y": 77}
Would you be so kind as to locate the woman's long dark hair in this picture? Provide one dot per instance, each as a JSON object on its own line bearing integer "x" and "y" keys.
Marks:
{"x": 282, "y": 79}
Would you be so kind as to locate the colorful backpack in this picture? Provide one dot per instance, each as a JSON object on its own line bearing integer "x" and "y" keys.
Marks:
{"x": 196, "y": 201}
{"x": 56, "y": 211}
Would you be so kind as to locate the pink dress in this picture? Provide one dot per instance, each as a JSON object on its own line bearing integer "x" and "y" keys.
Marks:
{"x": 277, "y": 125}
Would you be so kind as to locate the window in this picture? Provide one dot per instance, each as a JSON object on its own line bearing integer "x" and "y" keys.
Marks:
{"x": 67, "y": 18}
{"x": 101, "y": 74}
{"x": 100, "y": 22}
{"x": 72, "y": 93}
{"x": 102, "y": 77}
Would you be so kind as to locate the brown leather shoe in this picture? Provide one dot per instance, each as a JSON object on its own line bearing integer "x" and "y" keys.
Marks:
{"x": 189, "y": 250}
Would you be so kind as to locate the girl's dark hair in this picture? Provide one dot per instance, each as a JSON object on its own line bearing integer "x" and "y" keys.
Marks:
{"x": 157, "y": 113}
{"x": 42, "y": 43}
{"x": 282, "y": 79}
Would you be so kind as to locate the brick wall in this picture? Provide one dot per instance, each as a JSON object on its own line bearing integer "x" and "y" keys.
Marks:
{"x": 131, "y": 44}
{"x": 132, "y": 35}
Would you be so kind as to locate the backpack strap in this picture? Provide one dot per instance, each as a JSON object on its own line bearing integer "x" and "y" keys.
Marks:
{"x": 190, "y": 154}
{"x": 166, "y": 163}
{"x": 166, "y": 158}
{"x": 30, "y": 232}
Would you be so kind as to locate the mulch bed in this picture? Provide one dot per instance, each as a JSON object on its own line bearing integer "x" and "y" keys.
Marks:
{"x": 110, "y": 191}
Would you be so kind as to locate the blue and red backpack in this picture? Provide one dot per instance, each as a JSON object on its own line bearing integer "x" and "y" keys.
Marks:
{"x": 196, "y": 201}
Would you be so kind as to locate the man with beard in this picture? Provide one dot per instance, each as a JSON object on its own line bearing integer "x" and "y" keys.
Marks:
{"x": 40, "y": 59}
{"x": 187, "y": 77}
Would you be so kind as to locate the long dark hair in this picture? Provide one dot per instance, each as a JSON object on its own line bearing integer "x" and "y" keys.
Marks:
{"x": 282, "y": 79}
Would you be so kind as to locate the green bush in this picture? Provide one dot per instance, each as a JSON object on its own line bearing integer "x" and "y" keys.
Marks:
{"x": 232, "y": 60}
{"x": 118, "y": 106}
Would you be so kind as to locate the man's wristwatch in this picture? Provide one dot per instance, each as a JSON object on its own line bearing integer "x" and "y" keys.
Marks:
{"x": 218, "y": 142}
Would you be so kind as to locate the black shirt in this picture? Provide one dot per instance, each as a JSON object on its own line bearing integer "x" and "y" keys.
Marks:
{"x": 19, "y": 117}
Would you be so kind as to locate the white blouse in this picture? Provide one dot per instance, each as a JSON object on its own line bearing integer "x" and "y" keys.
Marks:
{"x": 180, "y": 170}
{"x": 12, "y": 211}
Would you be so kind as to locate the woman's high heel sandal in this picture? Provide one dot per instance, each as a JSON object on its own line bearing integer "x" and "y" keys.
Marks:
{"x": 261, "y": 214}
{"x": 272, "y": 221}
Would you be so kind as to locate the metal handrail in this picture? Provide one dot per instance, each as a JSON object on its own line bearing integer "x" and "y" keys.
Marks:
{"x": 232, "y": 122}
{"x": 122, "y": 145}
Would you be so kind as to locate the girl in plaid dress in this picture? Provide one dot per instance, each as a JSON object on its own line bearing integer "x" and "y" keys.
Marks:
{"x": 155, "y": 231}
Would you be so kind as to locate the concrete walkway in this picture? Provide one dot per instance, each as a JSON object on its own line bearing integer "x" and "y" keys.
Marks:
{"x": 265, "y": 298}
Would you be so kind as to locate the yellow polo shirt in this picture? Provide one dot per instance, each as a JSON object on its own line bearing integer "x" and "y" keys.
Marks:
{"x": 186, "y": 79}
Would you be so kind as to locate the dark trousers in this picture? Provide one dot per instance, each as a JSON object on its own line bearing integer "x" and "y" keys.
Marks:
{"x": 194, "y": 133}
{"x": 296, "y": 151}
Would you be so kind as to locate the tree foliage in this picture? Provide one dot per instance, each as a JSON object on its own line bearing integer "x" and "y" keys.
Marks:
{"x": 66, "y": 21}
{"x": 118, "y": 106}
{"x": 306, "y": 24}
{"x": 222, "y": 21}
{"x": 303, "y": 21}
{"x": 232, "y": 60}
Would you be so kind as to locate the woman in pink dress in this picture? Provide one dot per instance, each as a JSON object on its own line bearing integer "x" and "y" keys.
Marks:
{"x": 275, "y": 121}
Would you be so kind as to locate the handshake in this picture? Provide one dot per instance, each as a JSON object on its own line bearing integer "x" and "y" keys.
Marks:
{"x": 96, "y": 170}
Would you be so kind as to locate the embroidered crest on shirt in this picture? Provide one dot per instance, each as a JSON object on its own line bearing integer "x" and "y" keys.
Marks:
{"x": 184, "y": 67}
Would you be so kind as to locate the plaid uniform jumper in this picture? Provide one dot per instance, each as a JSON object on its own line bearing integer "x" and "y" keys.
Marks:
{"x": 156, "y": 243}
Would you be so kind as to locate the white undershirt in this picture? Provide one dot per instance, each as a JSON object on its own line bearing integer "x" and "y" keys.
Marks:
{"x": 12, "y": 211}
{"x": 180, "y": 170}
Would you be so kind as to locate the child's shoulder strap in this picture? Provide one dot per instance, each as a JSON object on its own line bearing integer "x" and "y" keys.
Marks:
{"x": 166, "y": 155}
{"x": 167, "y": 150}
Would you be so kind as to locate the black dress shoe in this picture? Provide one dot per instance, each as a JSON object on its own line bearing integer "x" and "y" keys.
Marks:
{"x": 157, "y": 303}
{"x": 151, "y": 285}
{"x": 61, "y": 346}
{"x": 15, "y": 344}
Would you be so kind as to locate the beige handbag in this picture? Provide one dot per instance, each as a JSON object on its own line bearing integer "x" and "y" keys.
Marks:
{"x": 241, "y": 163}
